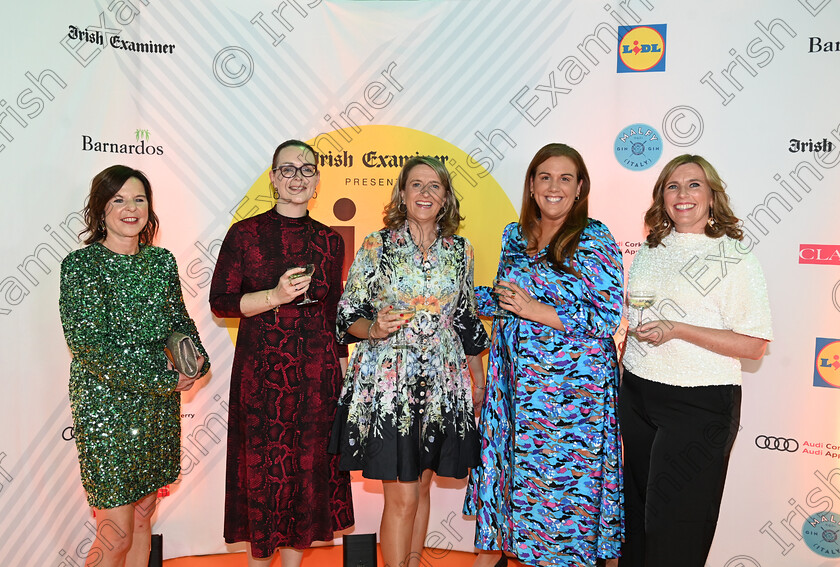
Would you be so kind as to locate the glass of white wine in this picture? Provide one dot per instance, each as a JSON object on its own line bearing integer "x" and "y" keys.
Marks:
{"x": 498, "y": 288}
{"x": 308, "y": 270}
{"x": 406, "y": 311}
{"x": 641, "y": 300}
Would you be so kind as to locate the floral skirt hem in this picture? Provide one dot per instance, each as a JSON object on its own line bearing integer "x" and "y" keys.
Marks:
{"x": 390, "y": 455}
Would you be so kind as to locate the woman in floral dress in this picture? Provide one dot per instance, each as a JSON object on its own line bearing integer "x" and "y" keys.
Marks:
{"x": 406, "y": 409}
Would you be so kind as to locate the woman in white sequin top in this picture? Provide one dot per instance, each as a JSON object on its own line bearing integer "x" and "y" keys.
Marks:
{"x": 679, "y": 404}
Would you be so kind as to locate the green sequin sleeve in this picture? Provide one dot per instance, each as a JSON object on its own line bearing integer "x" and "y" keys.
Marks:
{"x": 134, "y": 366}
{"x": 182, "y": 322}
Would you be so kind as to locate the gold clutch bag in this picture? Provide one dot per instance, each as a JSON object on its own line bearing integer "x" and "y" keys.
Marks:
{"x": 181, "y": 351}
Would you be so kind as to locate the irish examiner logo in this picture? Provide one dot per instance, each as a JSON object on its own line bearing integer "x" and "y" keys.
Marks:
{"x": 116, "y": 42}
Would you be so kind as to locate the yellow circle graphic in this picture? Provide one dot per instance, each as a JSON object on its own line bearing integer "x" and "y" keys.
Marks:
{"x": 828, "y": 363}
{"x": 359, "y": 167}
{"x": 641, "y": 48}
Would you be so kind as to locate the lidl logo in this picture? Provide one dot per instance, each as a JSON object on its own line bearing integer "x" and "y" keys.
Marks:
{"x": 641, "y": 48}
{"x": 827, "y": 363}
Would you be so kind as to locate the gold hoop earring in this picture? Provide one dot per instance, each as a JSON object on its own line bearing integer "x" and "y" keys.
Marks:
{"x": 315, "y": 194}
{"x": 402, "y": 208}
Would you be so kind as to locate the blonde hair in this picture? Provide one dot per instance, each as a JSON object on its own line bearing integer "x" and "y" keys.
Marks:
{"x": 449, "y": 217}
{"x": 660, "y": 225}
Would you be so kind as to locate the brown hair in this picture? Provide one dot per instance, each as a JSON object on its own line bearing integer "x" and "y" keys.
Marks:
{"x": 660, "y": 225}
{"x": 449, "y": 218}
{"x": 565, "y": 241}
{"x": 297, "y": 144}
{"x": 105, "y": 185}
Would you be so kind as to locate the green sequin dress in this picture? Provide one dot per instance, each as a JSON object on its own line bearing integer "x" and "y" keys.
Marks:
{"x": 117, "y": 311}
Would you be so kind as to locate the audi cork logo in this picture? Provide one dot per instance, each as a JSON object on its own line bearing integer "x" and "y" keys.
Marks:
{"x": 777, "y": 443}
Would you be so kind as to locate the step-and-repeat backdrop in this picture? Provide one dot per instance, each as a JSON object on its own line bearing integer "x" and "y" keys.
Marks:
{"x": 198, "y": 95}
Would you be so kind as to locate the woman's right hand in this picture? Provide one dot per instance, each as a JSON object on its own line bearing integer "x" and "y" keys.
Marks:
{"x": 287, "y": 289}
{"x": 385, "y": 323}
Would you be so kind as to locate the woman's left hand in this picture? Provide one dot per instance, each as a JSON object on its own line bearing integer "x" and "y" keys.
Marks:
{"x": 478, "y": 393}
{"x": 656, "y": 332}
{"x": 519, "y": 302}
{"x": 184, "y": 381}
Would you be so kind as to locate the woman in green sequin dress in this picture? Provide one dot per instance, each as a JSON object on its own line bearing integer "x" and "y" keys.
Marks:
{"x": 120, "y": 300}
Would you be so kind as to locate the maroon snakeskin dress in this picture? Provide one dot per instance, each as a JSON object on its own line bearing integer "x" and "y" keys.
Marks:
{"x": 282, "y": 489}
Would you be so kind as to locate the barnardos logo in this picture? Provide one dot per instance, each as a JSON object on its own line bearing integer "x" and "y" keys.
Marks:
{"x": 141, "y": 136}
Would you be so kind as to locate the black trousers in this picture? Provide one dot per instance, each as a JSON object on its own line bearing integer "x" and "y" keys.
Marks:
{"x": 677, "y": 442}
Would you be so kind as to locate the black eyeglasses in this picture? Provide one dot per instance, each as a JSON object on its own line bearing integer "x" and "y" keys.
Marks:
{"x": 289, "y": 171}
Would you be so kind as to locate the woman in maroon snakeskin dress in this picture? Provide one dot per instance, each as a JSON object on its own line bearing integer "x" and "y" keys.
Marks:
{"x": 283, "y": 490}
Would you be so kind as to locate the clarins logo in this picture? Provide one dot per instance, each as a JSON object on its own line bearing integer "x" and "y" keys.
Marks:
{"x": 819, "y": 254}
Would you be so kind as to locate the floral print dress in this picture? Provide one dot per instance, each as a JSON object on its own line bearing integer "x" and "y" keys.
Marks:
{"x": 548, "y": 488}
{"x": 406, "y": 404}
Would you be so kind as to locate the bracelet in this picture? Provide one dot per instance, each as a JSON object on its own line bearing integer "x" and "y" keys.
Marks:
{"x": 370, "y": 336}
{"x": 268, "y": 297}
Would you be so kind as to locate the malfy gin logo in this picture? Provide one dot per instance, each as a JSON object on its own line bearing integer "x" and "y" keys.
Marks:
{"x": 821, "y": 532}
{"x": 638, "y": 146}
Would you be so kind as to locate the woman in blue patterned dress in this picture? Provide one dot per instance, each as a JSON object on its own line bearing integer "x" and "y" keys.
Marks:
{"x": 548, "y": 489}
{"x": 406, "y": 409}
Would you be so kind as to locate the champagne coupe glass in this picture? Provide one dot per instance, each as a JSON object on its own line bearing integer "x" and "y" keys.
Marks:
{"x": 308, "y": 270}
{"x": 641, "y": 299}
{"x": 407, "y": 311}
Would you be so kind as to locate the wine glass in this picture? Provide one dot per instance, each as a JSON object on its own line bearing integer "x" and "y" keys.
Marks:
{"x": 407, "y": 312}
{"x": 308, "y": 270}
{"x": 497, "y": 285}
{"x": 641, "y": 299}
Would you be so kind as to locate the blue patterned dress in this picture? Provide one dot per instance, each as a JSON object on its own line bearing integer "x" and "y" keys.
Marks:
{"x": 406, "y": 410}
{"x": 548, "y": 488}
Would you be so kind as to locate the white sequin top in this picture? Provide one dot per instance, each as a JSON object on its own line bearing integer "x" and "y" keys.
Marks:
{"x": 708, "y": 282}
